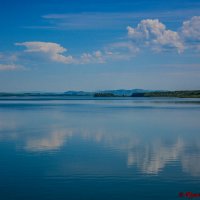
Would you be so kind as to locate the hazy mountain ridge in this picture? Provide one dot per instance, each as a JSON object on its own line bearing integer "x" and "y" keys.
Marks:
{"x": 105, "y": 93}
{"x": 119, "y": 92}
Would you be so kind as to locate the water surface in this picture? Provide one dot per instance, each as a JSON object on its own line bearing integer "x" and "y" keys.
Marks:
{"x": 143, "y": 148}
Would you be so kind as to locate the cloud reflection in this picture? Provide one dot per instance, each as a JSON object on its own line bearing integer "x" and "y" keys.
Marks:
{"x": 150, "y": 155}
{"x": 51, "y": 141}
{"x": 155, "y": 156}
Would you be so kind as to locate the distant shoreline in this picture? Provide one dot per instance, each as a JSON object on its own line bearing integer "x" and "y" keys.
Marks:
{"x": 109, "y": 93}
{"x": 178, "y": 94}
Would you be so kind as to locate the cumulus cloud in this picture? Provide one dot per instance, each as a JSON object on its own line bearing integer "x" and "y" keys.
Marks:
{"x": 54, "y": 52}
{"x": 153, "y": 33}
{"x": 117, "y": 51}
{"x": 191, "y": 29}
{"x": 51, "y": 50}
{"x": 94, "y": 57}
{"x": 11, "y": 67}
{"x": 190, "y": 32}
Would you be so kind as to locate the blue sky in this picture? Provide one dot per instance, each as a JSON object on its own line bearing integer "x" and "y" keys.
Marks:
{"x": 60, "y": 45}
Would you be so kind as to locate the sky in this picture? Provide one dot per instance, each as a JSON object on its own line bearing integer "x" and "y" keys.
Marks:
{"x": 90, "y": 45}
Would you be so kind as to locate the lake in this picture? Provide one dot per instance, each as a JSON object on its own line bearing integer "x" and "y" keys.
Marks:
{"x": 115, "y": 149}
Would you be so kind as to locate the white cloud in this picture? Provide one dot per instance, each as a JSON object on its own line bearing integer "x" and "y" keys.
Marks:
{"x": 86, "y": 58}
{"x": 190, "y": 32}
{"x": 191, "y": 29}
{"x": 9, "y": 62}
{"x": 94, "y": 57}
{"x": 98, "y": 54}
{"x": 11, "y": 67}
{"x": 8, "y": 57}
{"x": 51, "y": 50}
{"x": 54, "y": 52}
{"x": 153, "y": 33}
{"x": 114, "y": 52}
{"x": 125, "y": 46}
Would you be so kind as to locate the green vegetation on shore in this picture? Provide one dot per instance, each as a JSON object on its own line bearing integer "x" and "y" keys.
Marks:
{"x": 179, "y": 94}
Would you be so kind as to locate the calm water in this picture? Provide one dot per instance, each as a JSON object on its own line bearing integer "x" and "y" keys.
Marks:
{"x": 99, "y": 149}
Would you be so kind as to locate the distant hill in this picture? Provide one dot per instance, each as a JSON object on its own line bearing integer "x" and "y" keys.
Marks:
{"x": 120, "y": 92}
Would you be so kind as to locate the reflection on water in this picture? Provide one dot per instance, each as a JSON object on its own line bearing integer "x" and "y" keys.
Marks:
{"x": 115, "y": 140}
{"x": 51, "y": 141}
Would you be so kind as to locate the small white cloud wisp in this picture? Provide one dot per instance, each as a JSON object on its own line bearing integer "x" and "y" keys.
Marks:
{"x": 11, "y": 67}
